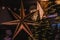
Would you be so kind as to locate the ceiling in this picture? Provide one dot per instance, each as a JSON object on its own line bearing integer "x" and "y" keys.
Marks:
{"x": 16, "y": 3}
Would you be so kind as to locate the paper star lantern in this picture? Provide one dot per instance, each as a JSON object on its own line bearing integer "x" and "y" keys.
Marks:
{"x": 21, "y": 22}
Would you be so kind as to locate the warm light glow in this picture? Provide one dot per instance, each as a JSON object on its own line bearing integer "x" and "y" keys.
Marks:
{"x": 57, "y": 2}
{"x": 44, "y": 0}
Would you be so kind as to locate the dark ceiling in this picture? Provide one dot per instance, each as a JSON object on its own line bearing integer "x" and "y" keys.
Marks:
{"x": 16, "y": 3}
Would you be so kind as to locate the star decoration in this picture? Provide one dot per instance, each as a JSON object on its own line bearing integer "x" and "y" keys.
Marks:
{"x": 21, "y": 22}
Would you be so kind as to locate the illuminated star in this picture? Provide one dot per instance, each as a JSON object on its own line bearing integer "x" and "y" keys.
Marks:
{"x": 21, "y": 22}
